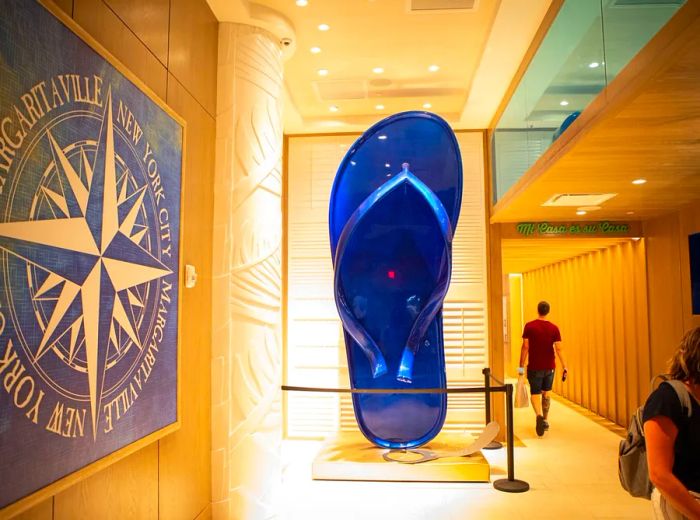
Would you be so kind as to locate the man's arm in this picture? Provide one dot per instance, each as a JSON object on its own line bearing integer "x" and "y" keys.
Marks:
{"x": 560, "y": 353}
{"x": 523, "y": 355}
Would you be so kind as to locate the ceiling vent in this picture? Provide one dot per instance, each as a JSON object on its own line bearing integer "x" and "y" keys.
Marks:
{"x": 340, "y": 90}
{"x": 579, "y": 199}
{"x": 429, "y": 6}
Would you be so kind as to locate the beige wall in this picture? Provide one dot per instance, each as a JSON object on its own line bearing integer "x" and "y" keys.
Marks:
{"x": 171, "y": 45}
{"x": 670, "y": 312}
{"x": 599, "y": 302}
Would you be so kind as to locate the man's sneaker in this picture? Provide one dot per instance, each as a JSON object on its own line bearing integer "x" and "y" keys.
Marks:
{"x": 546, "y": 425}
{"x": 539, "y": 426}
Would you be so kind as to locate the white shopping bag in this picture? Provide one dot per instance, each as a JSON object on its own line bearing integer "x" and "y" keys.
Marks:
{"x": 522, "y": 398}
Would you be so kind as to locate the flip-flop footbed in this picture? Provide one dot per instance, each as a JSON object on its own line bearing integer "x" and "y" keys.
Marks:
{"x": 392, "y": 260}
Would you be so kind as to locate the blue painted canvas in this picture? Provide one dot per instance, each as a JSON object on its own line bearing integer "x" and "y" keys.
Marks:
{"x": 393, "y": 211}
{"x": 90, "y": 183}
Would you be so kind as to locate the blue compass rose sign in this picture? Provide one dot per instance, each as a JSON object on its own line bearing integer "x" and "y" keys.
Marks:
{"x": 90, "y": 191}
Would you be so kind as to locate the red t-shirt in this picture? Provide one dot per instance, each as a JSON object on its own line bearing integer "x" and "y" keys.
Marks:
{"x": 541, "y": 335}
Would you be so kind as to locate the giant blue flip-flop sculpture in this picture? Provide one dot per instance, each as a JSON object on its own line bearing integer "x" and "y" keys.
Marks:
{"x": 391, "y": 243}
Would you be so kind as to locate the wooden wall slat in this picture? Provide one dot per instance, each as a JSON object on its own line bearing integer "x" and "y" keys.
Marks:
{"x": 664, "y": 288}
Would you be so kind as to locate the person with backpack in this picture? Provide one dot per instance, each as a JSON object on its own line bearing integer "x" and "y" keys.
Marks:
{"x": 672, "y": 436}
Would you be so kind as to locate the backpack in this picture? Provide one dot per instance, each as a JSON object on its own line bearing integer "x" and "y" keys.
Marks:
{"x": 632, "y": 456}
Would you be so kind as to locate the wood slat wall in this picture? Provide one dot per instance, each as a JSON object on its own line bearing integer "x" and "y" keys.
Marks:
{"x": 599, "y": 302}
{"x": 314, "y": 350}
{"x": 171, "y": 45}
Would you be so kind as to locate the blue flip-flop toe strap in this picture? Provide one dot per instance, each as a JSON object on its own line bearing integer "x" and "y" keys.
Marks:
{"x": 434, "y": 303}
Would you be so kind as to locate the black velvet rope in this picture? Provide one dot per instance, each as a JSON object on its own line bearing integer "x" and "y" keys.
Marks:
{"x": 463, "y": 390}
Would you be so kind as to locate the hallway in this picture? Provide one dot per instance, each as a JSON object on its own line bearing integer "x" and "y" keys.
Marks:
{"x": 572, "y": 472}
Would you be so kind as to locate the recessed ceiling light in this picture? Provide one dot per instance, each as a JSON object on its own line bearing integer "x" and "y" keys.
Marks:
{"x": 378, "y": 70}
{"x": 382, "y": 137}
{"x": 580, "y": 212}
{"x": 427, "y": 105}
{"x": 324, "y": 27}
{"x": 333, "y": 108}
{"x": 639, "y": 181}
{"x": 433, "y": 68}
{"x": 563, "y": 102}
{"x": 302, "y": 3}
{"x": 379, "y": 107}
{"x": 315, "y": 50}
{"x": 630, "y": 213}
{"x": 593, "y": 65}
{"x": 323, "y": 72}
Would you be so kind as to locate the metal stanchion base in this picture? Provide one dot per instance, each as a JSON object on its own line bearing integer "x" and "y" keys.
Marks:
{"x": 511, "y": 486}
{"x": 493, "y": 445}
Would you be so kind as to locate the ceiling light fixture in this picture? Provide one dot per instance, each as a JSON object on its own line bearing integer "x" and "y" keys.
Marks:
{"x": 378, "y": 70}
{"x": 630, "y": 213}
{"x": 580, "y": 212}
{"x": 315, "y": 50}
{"x": 563, "y": 102}
{"x": 382, "y": 137}
{"x": 427, "y": 105}
{"x": 324, "y": 27}
{"x": 302, "y": 3}
{"x": 639, "y": 181}
{"x": 323, "y": 72}
{"x": 593, "y": 65}
{"x": 433, "y": 68}
{"x": 333, "y": 108}
{"x": 379, "y": 107}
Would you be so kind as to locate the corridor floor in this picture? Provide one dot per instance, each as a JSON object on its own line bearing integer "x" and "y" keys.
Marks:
{"x": 572, "y": 472}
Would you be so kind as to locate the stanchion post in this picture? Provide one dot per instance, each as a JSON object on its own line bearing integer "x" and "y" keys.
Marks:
{"x": 511, "y": 484}
{"x": 493, "y": 445}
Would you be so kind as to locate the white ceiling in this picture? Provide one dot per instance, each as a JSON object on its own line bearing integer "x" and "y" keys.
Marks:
{"x": 478, "y": 52}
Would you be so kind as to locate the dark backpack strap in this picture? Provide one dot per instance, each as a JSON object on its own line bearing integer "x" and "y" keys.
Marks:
{"x": 683, "y": 395}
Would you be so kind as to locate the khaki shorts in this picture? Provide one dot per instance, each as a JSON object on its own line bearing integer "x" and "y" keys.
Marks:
{"x": 665, "y": 511}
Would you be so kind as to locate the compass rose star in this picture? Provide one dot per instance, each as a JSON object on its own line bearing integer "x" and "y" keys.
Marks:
{"x": 96, "y": 257}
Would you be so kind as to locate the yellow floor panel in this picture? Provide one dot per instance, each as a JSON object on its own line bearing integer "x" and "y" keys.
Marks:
{"x": 349, "y": 456}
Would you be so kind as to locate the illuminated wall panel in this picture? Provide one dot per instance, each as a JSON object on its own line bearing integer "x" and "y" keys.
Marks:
{"x": 315, "y": 353}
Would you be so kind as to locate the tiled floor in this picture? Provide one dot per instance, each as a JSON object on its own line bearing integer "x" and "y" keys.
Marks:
{"x": 572, "y": 472}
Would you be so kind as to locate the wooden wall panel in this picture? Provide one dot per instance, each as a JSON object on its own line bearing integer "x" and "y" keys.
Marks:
{"x": 148, "y": 19}
{"x": 664, "y": 285}
{"x": 192, "y": 56}
{"x": 127, "y": 489}
{"x": 599, "y": 303}
{"x": 41, "y": 511}
{"x": 65, "y": 5}
{"x": 171, "y": 478}
{"x": 670, "y": 312}
{"x": 185, "y": 456}
{"x": 105, "y": 26}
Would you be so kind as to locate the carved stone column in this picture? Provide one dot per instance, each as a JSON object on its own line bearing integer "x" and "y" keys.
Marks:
{"x": 247, "y": 349}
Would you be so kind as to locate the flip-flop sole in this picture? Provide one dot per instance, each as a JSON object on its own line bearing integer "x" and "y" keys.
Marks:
{"x": 389, "y": 269}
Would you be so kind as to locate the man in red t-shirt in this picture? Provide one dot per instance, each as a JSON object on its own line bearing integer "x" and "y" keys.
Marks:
{"x": 541, "y": 339}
